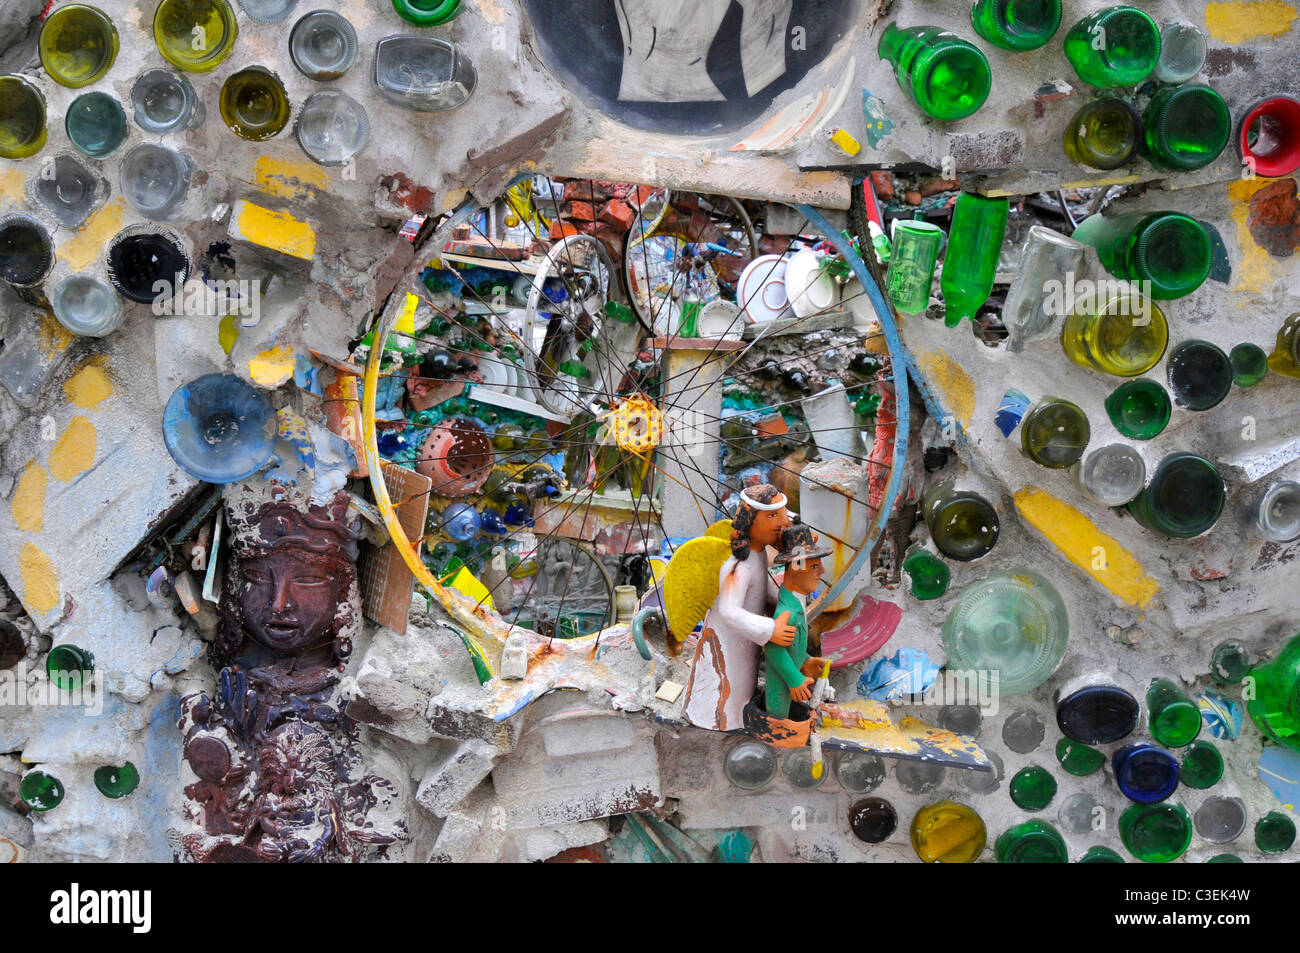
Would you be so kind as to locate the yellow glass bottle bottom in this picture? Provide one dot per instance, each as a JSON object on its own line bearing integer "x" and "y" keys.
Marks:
{"x": 22, "y": 133}
{"x": 1126, "y": 336}
{"x": 195, "y": 35}
{"x": 1285, "y": 359}
{"x": 253, "y": 104}
{"x": 948, "y": 833}
{"x": 78, "y": 45}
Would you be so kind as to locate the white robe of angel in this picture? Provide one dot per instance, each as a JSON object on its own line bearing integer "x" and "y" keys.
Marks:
{"x": 724, "y": 673}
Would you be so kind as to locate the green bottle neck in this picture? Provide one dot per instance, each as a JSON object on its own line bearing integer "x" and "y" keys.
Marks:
{"x": 901, "y": 46}
{"x": 892, "y": 41}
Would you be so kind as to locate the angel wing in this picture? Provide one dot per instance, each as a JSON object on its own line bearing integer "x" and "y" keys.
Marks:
{"x": 691, "y": 582}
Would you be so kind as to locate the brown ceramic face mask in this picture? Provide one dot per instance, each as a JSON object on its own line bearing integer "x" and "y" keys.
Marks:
{"x": 289, "y": 600}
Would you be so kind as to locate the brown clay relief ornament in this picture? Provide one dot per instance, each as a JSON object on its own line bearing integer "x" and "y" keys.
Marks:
{"x": 279, "y": 768}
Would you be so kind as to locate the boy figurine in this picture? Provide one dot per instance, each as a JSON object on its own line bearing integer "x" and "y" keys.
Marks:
{"x": 791, "y": 672}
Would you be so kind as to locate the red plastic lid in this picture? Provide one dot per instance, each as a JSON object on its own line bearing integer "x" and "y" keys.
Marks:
{"x": 1276, "y": 150}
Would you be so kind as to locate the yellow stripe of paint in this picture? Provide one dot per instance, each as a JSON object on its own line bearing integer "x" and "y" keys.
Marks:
{"x": 74, "y": 454}
{"x": 1237, "y": 21}
{"x": 1074, "y": 535}
{"x": 89, "y": 385}
{"x": 28, "y": 504}
{"x": 406, "y": 320}
{"x": 40, "y": 581}
{"x": 956, "y": 389}
{"x": 278, "y": 231}
{"x": 1126, "y": 179}
{"x": 287, "y": 178}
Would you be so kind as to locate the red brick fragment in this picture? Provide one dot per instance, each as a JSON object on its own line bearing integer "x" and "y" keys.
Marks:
{"x": 882, "y": 180}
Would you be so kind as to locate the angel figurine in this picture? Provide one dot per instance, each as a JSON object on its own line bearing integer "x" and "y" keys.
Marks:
{"x": 724, "y": 672}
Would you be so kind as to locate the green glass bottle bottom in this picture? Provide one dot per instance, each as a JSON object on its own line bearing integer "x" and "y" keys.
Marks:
{"x": 427, "y": 12}
{"x": 1101, "y": 855}
{"x": 1177, "y": 724}
{"x": 965, "y": 527}
{"x": 95, "y": 124}
{"x": 1139, "y": 409}
{"x": 1200, "y": 375}
{"x": 1156, "y": 833}
{"x": 1117, "y": 46}
{"x": 1202, "y": 766}
{"x": 1184, "y": 498}
{"x": 1249, "y": 364}
{"x": 69, "y": 666}
{"x": 1173, "y": 252}
{"x": 1033, "y": 788}
{"x": 1274, "y": 833}
{"x": 1078, "y": 759}
{"x": 1186, "y": 127}
{"x": 929, "y": 575}
{"x": 951, "y": 80}
{"x": 1033, "y": 842}
{"x": 114, "y": 782}
{"x": 1016, "y": 25}
{"x": 40, "y": 791}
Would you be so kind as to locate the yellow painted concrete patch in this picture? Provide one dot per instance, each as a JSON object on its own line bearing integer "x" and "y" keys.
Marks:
{"x": 89, "y": 385}
{"x": 287, "y": 178}
{"x": 40, "y": 581}
{"x": 1237, "y": 21}
{"x": 272, "y": 368}
{"x": 1086, "y": 546}
{"x": 28, "y": 504}
{"x": 54, "y": 338}
{"x": 74, "y": 454}
{"x": 956, "y": 389}
{"x": 278, "y": 231}
{"x": 1256, "y": 270}
{"x": 492, "y": 12}
{"x": 358, "y": 12}
{"x": 11, "y": 185}
{"x": 88, "y": 243}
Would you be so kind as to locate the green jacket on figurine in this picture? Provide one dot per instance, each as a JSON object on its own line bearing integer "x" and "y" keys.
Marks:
{"x": 789, "y": 668}
{"x": 783, "y": 662}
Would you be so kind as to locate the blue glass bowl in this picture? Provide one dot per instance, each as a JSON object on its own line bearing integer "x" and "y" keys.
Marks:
{"x": 219, "y": 429}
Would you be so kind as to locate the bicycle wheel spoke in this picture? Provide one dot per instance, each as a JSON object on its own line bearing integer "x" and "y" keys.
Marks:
{"x": 608, "y": 510}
